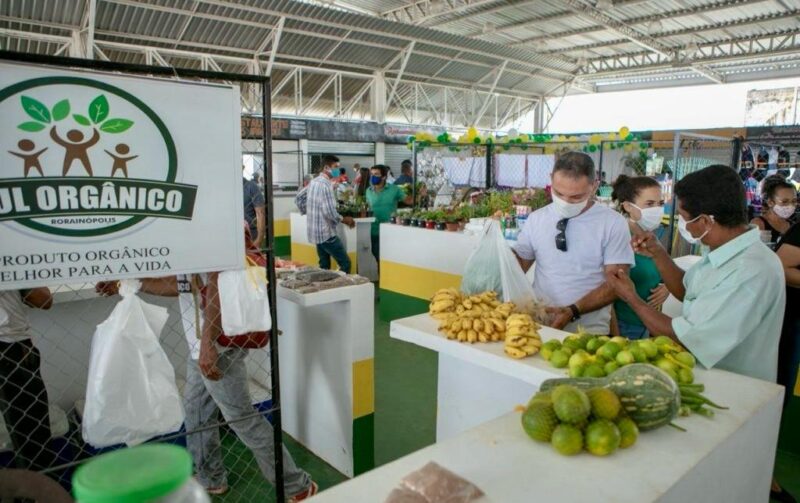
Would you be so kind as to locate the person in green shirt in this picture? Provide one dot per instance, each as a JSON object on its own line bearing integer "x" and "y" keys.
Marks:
{"x": 734, "y": 297}
{"x": 639, "y": 199}
{"x": 383, "y": 199}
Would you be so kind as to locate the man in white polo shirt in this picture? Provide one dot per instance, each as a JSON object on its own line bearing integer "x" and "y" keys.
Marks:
{"x": 575, "y": 242}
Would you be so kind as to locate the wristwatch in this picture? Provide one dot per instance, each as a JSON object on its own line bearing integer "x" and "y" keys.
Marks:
{"x": 576, "y": 314}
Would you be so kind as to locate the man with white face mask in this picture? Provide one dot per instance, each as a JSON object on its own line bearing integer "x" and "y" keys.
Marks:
{"x": 734, "y": 298}
{"x": 575, "y": 242}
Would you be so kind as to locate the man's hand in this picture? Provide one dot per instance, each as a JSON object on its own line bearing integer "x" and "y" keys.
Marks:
{"x": 107, "y": 288}
{"x": 559, "y": 316}
{"x": 647, "y": 245}
{"x": 658, "y": 296}
{"x": 348, "y": 221}
{"x": 622, "y": 285}
{"x": 208, "y": 361}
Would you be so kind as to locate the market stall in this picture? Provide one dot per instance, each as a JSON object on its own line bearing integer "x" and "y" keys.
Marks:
{"x": 357, "y": 243}
{"x": 729, "y": 458}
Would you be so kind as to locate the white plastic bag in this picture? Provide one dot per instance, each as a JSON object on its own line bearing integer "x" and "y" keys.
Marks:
{"x": 131, "y": 394}
{"x": 493, "y": 266}
{"x": 244, "y": 300}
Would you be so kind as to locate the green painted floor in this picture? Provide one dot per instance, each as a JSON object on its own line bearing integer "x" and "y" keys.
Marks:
{"x": 405, "y": 421}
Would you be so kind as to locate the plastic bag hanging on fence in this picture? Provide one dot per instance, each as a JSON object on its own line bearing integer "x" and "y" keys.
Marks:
{"x": 493, "y": 266}
{"x": 131, "y": 394}
{"x": 244, "y": 300}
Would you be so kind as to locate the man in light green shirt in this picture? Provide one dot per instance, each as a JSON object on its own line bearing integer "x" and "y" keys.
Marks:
{"x": 734, "y": 298}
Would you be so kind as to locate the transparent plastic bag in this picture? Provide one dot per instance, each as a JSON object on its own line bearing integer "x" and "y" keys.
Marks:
{"x": 244, "y": 300}
{"x": 493, "y": 266}
{"x": 434, "y": 484}
{"x": 131, "y": 394}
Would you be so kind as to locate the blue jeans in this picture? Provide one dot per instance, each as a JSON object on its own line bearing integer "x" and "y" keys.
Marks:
{"x": 632, "y": 331}
{"x": 333, "y": 248}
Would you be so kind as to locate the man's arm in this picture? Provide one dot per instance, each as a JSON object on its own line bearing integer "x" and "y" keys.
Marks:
{"x": 212, "y": 328}
{"x": 524, "y": 263}
{"x": 656, "y": 322}
{"x": 671, "y": 275}
{"x": 164, "y": 287}
{"x": 790, "y": 258}
{"x": 261, "y": 226}
{"x": 39, "y": 298}
{"x": 598, "y": 298}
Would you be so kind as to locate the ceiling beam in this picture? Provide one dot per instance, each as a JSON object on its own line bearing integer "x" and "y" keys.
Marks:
{"x": 672, "y": 14}
{"x": 406, "y": 57}
{"x": 552, "y": 66}
{"x": 276, "y": 41}
{"x": 735, "y": 23}
{"x": 499, "y": 73}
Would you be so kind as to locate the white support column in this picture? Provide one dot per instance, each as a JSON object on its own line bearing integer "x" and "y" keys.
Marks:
{"x": 538, "y": 116}
{"x": 380, "y": 152}
{"x": 82, "y": 45}
{"x": 378, "y": 98}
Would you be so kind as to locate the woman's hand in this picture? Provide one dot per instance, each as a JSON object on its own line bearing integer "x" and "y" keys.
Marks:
{"x": 658, "y": 296}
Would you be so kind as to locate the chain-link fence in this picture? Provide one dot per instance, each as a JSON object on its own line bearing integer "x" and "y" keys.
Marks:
{"x": 45, "y": 349}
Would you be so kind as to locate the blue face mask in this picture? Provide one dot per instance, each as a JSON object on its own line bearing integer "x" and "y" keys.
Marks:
{"x": 376, "y": 180}
{"x": 335, "y": 172}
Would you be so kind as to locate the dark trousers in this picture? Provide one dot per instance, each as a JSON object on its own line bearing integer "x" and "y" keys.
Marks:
{"x": 789, "y": 354}
{"x": 23, "y": 399}
{"x": 333, "y": 248}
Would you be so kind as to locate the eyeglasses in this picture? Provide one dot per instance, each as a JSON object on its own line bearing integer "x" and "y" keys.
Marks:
{"x": 561, "y": 237}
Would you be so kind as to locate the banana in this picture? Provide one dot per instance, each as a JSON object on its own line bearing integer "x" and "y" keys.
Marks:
{"x": 476, "y": 299}
{"x": 515, "y": 352}
{"x": 442, "y": 316}
{"x": 516, "y": 341}
{"x": 456, "y": 325}
{"x": 467, "y": 303}
{"x": 520, "y": 331}
{"x": 442, "y": 305}
{"x": 460, "y": 310}
{"x": 530, "y": 350}
{"x": 472, "y": 336}
{"x": 462, "y": 336}
{"x": 477, "y": 325}
{"x": 482, "y": 337}
{"x": 488, "y": 327}
{"x": 499, "y": 325}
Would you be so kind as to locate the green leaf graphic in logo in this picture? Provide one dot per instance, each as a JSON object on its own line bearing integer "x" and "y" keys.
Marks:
{"x": 116, "y": 125}
{"x": 82, "y": 120}
{"x": 35, "y": 109}
{"x": 31, "y": 127}
{"x": 98, "y": 109}
{"x": 61, "y": 110}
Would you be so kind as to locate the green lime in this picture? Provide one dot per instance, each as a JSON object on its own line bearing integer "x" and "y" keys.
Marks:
{"x": 605, "y": 403}
{"x": 686, "y": 358}
{"x": 594, "y": 370}
{"x": 628, "y": 431}
{"x": 559, "y": 359}
{"x": 602, "y": 437}
{"x": 567, "y": 440}
{"x": 625, "y": 358}
{"x": 610, "y": 367}
{"x": 539, "y": 420}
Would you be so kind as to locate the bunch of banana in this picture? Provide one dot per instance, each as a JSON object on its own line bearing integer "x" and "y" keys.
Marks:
{"x": 444, "y": 302}
{"x": 522, "y": 336}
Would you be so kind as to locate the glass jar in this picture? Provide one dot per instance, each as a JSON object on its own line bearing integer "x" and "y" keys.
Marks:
{"x": 152, "y": 473}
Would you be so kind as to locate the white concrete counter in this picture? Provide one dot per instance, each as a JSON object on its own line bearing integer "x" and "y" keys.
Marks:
{"x": 727, "y": 459}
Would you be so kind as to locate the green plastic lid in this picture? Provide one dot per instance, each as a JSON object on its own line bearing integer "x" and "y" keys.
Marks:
{"x": 134, "y": 475}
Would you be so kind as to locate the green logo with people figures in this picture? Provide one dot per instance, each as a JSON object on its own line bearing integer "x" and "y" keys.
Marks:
{"x": 85, "y": 158}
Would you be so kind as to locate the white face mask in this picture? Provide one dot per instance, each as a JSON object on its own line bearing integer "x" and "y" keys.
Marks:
{"x": 651, "y": 217}
{"x": 568, "y": 210}
{"x": 685, "y": 232}
{"x": 785, "y": 212}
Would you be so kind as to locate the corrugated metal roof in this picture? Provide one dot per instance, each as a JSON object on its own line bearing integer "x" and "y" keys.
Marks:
{"x": 459, "y": 42}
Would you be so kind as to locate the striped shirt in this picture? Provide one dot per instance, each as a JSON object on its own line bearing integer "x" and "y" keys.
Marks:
{"x": 321, "y": 210}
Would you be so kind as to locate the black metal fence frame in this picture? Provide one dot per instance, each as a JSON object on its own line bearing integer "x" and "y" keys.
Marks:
{"x": 264, "y": 83}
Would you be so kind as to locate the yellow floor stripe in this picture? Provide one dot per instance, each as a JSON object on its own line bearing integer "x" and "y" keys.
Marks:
{"x": 415, "y": 281}
{"x": 281, "y": 228}
{"x": 363, "y": 388}
{"x": 307, "y": 254}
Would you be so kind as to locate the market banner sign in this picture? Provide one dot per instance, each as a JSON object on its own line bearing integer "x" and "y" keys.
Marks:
{"x": 106, "y": 176}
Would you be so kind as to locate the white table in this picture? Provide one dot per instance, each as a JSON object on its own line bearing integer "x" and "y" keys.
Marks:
{"x": 476, "y": 382}
{"x": 727, "y": 459}
{"x": 327, "y": 366}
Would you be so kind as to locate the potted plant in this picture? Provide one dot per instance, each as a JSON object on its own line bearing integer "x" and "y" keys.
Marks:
{"x": 415, "y": 218}
{"x": 393, "y": 218}
{"x": 451, "y": 220}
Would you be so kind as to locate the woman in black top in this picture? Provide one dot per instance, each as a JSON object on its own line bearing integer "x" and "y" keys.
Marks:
{"x": 780, "y": 204}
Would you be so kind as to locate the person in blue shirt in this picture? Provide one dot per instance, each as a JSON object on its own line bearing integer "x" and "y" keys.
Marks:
{"x": 406, "y": 173}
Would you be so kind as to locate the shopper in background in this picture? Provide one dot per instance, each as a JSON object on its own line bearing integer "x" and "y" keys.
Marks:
{"x": 323, "y": 217}
{"x": 217, "y": 381}
{"x": 382, "y": 198}
{"x": 779, "y": 199}
{"x": 788, "y": 251}
{"x": 639, "y": 199}
{"x": 23, "y": 396}
{"x": 406, "y": 173}
{"x": 733, "y": 299}
{"x": 575, "y": 243}
{"x": 254, "y": 212}
{"x": 362, "y": 182}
